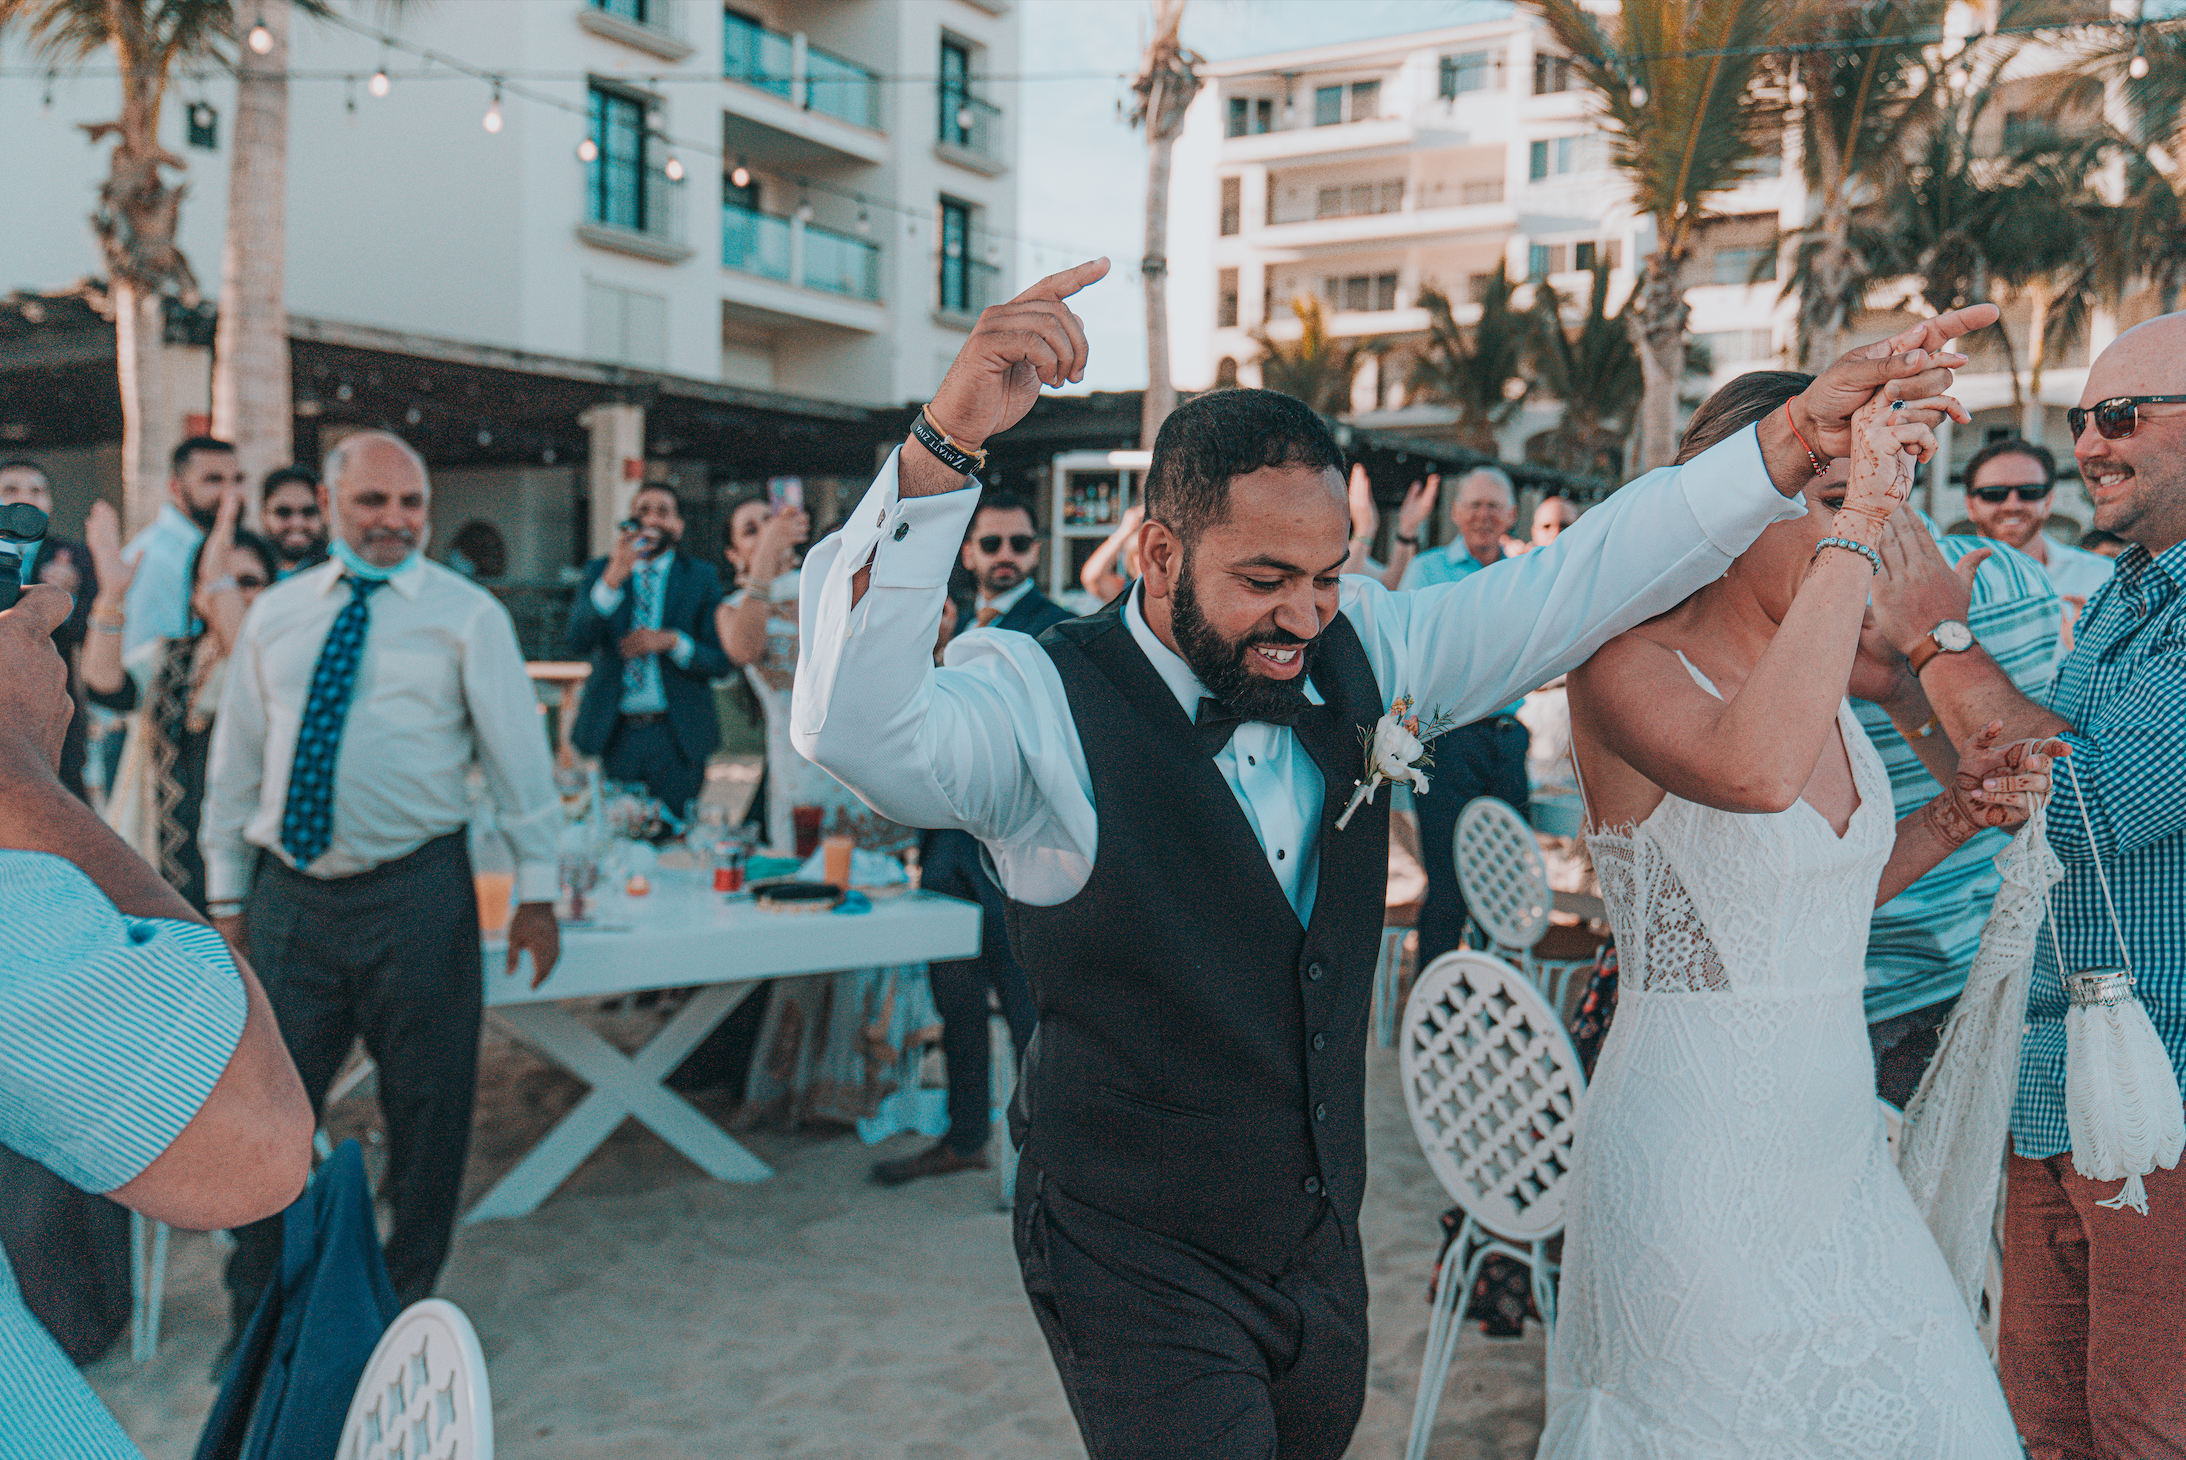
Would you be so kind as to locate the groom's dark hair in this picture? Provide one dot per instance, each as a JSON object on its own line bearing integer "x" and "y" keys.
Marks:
{"x": 1740, "y": 404}
{"x": 1209, "y": 442}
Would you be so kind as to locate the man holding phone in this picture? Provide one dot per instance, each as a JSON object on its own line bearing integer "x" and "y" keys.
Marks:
{"x": 645, "y": 616}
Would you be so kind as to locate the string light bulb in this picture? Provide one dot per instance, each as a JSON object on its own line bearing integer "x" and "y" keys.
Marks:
{"x": 491, "y": 121}
{"x": 1797, "y": 93}
{"x": 740, "y": 176}
{"x": 674, "y": 168}
{"x": 588, "y": 150}
{"x": 260, "y": 38}
{"x": 379, "y": 85}
{"x": 1638, "y": 94}
{"x": 964, "y": 119}
{"x": 2137, "y": 68}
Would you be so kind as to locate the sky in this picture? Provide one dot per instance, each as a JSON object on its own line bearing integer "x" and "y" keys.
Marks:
{"x": 1083, "y": 167}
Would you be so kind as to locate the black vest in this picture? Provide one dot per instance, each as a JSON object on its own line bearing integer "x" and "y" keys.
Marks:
{"x": 1200, "y": 1063}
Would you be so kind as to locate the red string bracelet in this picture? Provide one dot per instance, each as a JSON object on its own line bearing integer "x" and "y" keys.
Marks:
{"x": 1812, "y": 460}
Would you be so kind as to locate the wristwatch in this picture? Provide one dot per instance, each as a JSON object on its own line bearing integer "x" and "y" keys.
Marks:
{"x": 1948, "y": 637}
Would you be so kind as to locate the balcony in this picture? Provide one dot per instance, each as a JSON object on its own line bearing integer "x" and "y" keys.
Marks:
{"x": 790, "y": 102}
{"x": 967, "y": 287}
{"x": 810, "y": 273}
{"x": 970, "y": 133}
{"x": 633, "y": 210}
{"x": 1406, "y": 226}
{"x": 652, "y": 26}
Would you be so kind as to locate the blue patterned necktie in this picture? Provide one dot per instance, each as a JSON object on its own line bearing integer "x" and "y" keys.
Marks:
{"x": 640, "y": 675}
{"x": 307, "y": 817}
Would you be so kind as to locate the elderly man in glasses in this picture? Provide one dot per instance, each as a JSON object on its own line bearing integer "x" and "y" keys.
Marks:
{"x": 2009, "y": 487}
{"x": 2094, "y": 1310}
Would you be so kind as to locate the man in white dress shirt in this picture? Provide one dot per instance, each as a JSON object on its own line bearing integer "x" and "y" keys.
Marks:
{"x": 359, "y": 694}
{"x": 1201, "y": 951}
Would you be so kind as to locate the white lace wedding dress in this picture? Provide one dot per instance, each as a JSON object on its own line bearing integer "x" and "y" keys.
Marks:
{"x": 1743, "y": 1273}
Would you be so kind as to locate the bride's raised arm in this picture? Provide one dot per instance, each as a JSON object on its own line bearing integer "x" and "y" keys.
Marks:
{"x": 1643, "y": 726}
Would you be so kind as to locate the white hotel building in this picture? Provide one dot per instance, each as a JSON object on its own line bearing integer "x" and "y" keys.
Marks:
{"x": 1359, "y": 174}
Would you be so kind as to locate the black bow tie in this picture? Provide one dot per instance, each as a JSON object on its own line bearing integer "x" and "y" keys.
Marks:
{"x": 1217, "y": 722}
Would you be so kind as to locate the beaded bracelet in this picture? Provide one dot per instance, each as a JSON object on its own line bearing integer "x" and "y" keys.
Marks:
{"x": 1812, "y": 460}
{"x": 1874, "y": 559}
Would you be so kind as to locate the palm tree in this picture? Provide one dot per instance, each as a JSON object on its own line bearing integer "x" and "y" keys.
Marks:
{"x": 1859, "y": 97}
{"x": 1317, "y": 369}
{"x": 1676, "y": 78}
{"x": 252, "y": 401}
{"x": 1481, "y": 371}
{"x": 1595, "y": 371}
{"x": 1166, "y": 85}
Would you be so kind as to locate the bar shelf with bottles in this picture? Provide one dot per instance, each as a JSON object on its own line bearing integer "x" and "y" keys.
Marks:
{"x": 1091, "y": 491}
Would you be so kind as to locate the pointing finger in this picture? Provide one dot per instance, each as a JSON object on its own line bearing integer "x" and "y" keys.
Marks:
{"x": 1069, "y": 281}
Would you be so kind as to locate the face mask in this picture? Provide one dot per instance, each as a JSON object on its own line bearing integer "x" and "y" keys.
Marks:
{"x": 358, "y": 566}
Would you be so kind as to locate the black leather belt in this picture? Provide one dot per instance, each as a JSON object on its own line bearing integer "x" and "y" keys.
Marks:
{"x": 655, "y": 717}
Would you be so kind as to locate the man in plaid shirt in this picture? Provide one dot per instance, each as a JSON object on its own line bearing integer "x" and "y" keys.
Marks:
{"x": 2094, "y": 1312}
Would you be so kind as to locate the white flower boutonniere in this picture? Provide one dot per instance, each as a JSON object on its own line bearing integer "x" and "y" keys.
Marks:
{"x": 1396, "y": 749}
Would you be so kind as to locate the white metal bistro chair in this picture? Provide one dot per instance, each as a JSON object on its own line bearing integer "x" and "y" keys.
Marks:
{"x": 424, "y": 1394}
{"x": 1398, "y": 922}
{"x": 1492, "y": 1083}
{"x": 1505, "y": 881}
{"x": 1001, "y": 1085}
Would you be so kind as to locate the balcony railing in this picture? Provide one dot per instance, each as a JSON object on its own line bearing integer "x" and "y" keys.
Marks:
{"x": 805, "y": 254}
{"x": 801, "y": 74}
{"x": 967, "y": 285}
{"x": 623, "y": 196}
{"x": 971, "y": 124}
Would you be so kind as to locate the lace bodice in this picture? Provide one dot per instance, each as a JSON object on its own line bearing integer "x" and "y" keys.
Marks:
{"x": 1707, "y": 900}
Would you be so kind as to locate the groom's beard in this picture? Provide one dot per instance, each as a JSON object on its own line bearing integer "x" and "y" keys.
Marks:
{"x": 1222, "y": 666}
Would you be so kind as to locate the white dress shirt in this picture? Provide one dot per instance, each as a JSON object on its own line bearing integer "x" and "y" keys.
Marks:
{"x": 441, "y": 683}
{"x": 988, "y": 744}
{"x": 157, "y": 605}
{"x": 2075, "y": 572}
{"x": 1002, "y": 603}
{"x": 652, "y": 699}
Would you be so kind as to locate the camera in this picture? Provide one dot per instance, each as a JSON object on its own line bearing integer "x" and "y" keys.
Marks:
{"x": 22, "y": 527}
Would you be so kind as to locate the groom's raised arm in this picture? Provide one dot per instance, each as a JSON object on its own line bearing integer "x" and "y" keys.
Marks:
{"x": 1465, "y": 648}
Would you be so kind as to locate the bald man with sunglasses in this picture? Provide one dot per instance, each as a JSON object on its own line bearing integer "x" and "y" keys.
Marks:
{"x": 2094, "y": 1309}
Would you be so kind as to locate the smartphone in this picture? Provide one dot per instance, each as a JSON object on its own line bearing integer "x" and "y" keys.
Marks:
{"x": 786, "y": 492}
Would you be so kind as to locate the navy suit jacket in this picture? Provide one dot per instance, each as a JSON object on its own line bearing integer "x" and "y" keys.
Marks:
{"x": 687, "y": 604}
{"x": 1033, "y": 614}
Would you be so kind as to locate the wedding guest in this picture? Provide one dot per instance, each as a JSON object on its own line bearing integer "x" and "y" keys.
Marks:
{"x": 137, "y": 1058}
{"x": 1158, "y": 786}
{"x": 1486, "y": 757}
{"x": 170, "y": 689}
{"x": 360, "y": 695}
{"x": 67, "y": 566}
{"x": 205, "y": 470}
{"x": 815, "y": 1059}
{"x": 1002, "y": 553}
{"x": 2094, "y": 1308}
{"x": 949, "y": 863}
{"x": 645, "y": 615}
{"x": 2010, "y": 485}
{"x": 1551, "y": 517}
{"x": 288, "y": 511}
{"x": 1418, "y": 506}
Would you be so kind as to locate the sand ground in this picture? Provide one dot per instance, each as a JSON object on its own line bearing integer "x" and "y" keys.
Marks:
{"x": 646, "y": 1312}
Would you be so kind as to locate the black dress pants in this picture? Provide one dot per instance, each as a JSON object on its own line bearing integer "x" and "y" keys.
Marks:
{"x": 644, "y": 750}
{"x": 1485, "y": 758}
{"x": 949, "y": 863}
{"x": 1169, "y": 1352}
{"x": 391, "y": 955}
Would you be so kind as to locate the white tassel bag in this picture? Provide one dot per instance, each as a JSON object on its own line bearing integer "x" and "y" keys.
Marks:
{"x": 2122, "y": 1105}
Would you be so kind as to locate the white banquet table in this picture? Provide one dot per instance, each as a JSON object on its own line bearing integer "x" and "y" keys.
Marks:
{"x": 684, "y": 935}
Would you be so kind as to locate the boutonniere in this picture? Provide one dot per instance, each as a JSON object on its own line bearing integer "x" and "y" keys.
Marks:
{"x": 1396, "y": 749}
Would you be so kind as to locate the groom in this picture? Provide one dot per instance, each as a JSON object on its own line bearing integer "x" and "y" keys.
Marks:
{"x": 1158, "y": 786}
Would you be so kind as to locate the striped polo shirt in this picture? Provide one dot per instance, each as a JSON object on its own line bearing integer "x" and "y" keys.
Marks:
{"x": 1921, "y": 944}
{"x": 114, "y": 1031}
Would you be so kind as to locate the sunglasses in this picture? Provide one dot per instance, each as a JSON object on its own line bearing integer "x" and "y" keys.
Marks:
{"x": 2115, "y": 418}
{"x": 249, "y": 582}
{"x": 2005, "y": 494}
{"x": 283, "y": 514}
{"x": 1020, "y": 542}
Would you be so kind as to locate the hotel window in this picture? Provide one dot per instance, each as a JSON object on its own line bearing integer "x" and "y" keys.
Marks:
{"x": 1225, "y": 307}
{"x": 1544, "y": 259}
{"x": 1469, "y": 71}
{"x": 617, "y": 174}
{"x": 1327, "y": 106}
{"x": 956, "y": 260}
{"x": 1551, "y": 74}
{"x": 1251, "y": 115}
{"x": 1233, "y": 205}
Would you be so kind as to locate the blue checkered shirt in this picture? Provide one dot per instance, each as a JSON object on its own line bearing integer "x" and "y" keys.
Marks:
{"x": 2124, "y": 692}
{"x": 1922, "y": 942}
{"x": 112, "y": 1033}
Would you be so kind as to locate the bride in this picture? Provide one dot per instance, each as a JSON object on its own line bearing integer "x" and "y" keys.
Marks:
{"x": 1744, "y": 1274}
